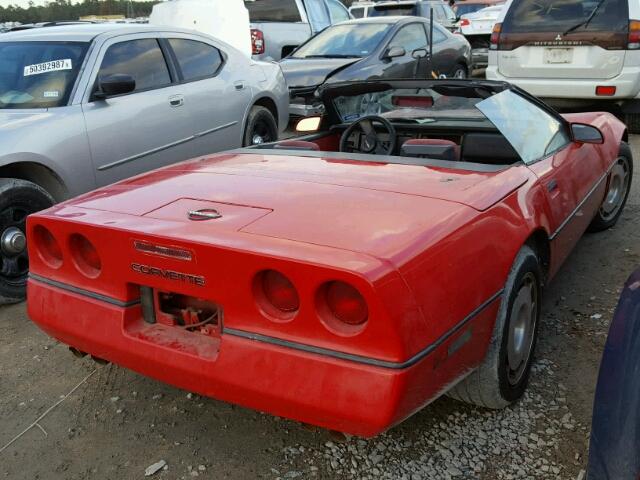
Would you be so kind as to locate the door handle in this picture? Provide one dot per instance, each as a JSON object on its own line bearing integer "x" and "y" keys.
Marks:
{"x": 239, "y": 85}
{"x": 176, "y": 100}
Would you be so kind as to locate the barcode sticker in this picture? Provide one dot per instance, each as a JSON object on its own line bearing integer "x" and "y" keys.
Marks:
{"x": 53, "y": 66}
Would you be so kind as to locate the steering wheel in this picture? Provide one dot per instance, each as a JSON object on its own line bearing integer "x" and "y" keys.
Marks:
{"x": 371, "y": 142}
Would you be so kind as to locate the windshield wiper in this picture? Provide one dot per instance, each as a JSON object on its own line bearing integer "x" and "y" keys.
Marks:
{"x": 585, "y": 23}
{"x": 336, "y": 55}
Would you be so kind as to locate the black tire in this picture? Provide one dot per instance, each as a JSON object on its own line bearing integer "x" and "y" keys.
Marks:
{"x": 633, "y": 122}
{"x": 617, "y": 192}
{"x": 494, "y": 384}
{"x": 460, "y": 71}
{"x": 260, "y": 124}
{"x": 18, "y": 199}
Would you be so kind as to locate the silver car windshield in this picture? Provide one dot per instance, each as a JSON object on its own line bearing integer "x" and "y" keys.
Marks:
{"x": 38, "y": 74}
{"x": 532, "y": 132}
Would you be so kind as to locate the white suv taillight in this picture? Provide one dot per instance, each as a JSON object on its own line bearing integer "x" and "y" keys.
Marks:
{"x": 634, "y": 35}
{"x": 495, "y": 36}
{"x": 257, "y": 41}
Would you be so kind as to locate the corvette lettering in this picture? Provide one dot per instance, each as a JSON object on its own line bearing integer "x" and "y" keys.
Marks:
{"x": 196, "y": 280}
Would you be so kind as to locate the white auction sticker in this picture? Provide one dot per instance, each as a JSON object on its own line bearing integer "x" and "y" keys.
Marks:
{"x": 51, "y": 94}
{"x": 53, "y": 66}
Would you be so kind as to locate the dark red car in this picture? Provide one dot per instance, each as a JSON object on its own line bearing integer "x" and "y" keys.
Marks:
{"x": 347, "y": 279}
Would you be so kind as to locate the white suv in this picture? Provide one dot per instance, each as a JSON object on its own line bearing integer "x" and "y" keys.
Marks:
{"x": 572, "y": 53}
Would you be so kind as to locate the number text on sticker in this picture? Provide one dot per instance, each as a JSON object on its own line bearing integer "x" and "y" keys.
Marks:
{"x": 53, "y": 66}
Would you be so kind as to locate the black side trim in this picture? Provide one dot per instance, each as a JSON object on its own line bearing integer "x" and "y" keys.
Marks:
{"x": 358, "y": 358}
{"x": 83, "y": 292}
{"x": 582, "y": 202}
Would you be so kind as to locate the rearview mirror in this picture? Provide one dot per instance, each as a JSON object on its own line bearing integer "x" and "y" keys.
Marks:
{"x": 395, "y": 52}
{"x": 116, "y": 84}
{"x": 582, "y": 133}
{"x": 310, "y": 124}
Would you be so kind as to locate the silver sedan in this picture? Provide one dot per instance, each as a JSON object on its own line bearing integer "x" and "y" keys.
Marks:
{"x": 83, "y": 106}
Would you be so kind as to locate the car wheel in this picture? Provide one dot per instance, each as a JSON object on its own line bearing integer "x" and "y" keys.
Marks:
{"x": 261, "y": 127}
{"x": 502, "y": 377}
{"x": 617, "y": 192}
{"x": 18, "y": 199}
{"x": 460, "y": 71}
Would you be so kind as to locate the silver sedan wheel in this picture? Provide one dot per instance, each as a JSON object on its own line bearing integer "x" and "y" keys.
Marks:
{"x": 522, "y": 327}
{"x": 618, "y": 188}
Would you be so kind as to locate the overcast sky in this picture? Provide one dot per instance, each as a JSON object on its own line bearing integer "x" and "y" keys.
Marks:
{"x": 22, "y": 3}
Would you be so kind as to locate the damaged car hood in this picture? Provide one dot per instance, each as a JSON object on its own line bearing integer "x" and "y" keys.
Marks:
{"x": 310, "y": 72}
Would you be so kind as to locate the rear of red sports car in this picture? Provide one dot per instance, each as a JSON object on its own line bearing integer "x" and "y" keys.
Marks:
{"x": 260, "y": 280}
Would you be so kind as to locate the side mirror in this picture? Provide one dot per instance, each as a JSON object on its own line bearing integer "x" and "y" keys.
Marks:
{"x": 582, "y": 133}
{"x": 420, "y": 53}
{"x": 309, "y": 124}
{"x": 394, "y": 52}
{"x": 116, "y": 84}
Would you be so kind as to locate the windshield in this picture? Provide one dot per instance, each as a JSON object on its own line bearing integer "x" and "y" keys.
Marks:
{"x": 38, "y": 74}
{"x": 422, "y": 105}
{"x": 531, "y": 131}
{"x": 344, "y": 41}
{"x": 563, "y": 15}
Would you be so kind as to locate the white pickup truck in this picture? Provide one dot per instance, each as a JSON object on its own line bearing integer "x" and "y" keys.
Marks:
{"x": 280, "y": 26}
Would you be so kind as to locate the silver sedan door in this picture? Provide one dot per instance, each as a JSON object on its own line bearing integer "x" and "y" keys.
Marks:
{"x": 217, "y": 91}
{"x": 142, "y": 130}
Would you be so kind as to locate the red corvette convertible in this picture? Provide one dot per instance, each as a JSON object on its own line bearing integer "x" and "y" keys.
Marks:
{"x": 347, "y": 279}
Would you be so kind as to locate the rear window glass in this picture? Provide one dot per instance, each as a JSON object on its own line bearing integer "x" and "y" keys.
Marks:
{"x": 357, "y": 12}
{"x": 562, "y": 15}
{"x": 273, "y": 11}
{"x": 197, "y": 60}
{"x": 392, "y": 10}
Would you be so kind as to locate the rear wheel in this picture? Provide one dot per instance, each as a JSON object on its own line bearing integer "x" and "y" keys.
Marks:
{"x": 18, "y": 199}
{"x": 617, "y": 192}
{"x": 503, "y": 376}
{"x": 261, "y": 127}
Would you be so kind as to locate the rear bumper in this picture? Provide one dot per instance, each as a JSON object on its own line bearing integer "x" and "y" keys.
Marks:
{"x": 627, "y": 85}
{"x": 333, "y": 393}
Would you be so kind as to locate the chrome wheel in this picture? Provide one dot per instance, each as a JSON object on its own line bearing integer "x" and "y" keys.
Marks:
{"x": 522, "y": 326}
{"x": 262, "y": 133}
{"x": 618, "y": 187}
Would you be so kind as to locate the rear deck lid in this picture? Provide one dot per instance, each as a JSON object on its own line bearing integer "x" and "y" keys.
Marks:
{"x": 567, "y": 39}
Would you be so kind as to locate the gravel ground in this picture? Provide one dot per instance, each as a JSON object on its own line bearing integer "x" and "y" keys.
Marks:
{"x": 116, "y": 424}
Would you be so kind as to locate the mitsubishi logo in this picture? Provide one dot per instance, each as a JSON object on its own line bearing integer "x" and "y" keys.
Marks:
{"x": 204, "y": 214}
{"x": 559, "y": 38}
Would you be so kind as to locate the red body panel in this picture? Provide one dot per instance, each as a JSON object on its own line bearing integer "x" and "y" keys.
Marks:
{"x": 428, "y": 248}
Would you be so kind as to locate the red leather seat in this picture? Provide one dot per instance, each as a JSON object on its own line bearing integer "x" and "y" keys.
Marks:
{"x": 296, "y": 145}
{"x": 436, "y": 148}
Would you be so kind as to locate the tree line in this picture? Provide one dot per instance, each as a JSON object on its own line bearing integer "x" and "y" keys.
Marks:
{"x": 66, "y": 10}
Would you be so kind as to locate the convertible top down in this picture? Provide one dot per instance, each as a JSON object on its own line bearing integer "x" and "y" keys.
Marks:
{"x": 348, "y": 278}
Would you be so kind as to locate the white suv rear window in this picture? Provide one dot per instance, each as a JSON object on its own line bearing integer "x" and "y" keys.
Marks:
{"x": 563, "y": 15}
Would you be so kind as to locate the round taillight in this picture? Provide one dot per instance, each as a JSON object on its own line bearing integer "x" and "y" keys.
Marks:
{"x": 276, "y": 295}
{"x": 47, "y": 247}
{"x": 346, "y": 303}
{"x": 85, "y": 256}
